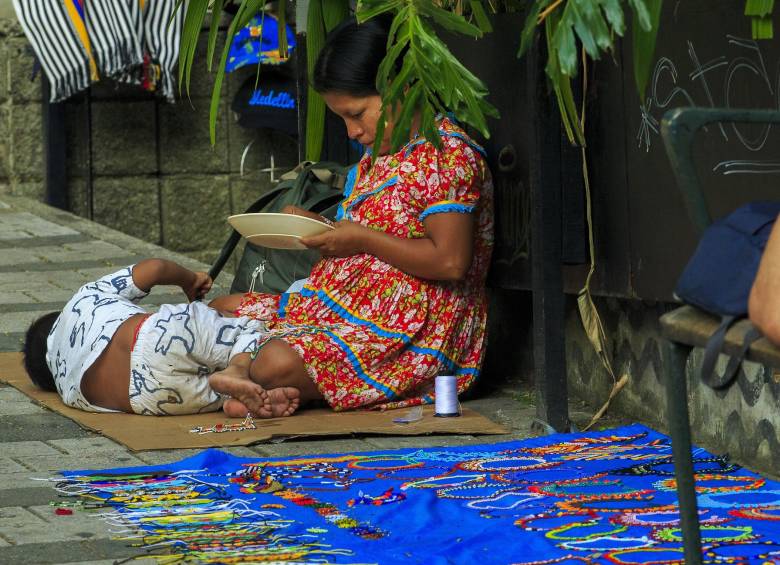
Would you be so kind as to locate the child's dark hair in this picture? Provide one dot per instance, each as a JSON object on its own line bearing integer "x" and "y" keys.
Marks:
{"x": 35, "y": 351}
{"x": 351, "y": 56}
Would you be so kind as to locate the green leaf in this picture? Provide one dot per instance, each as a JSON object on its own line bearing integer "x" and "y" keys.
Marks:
{"x": 190, "y": 33}
{"x": 529, "y": 27}
{"x": 246, "y": 11}
{"x": 761, "y": 20}
{"x": 562, "y": 86}
{"x": 642, "y": 14}
{"x": 428, "y": 126}
{"x": 586, "y": 27}
{"x": 216, "y": 13}
{"x": 315, "y": 125}
{"x": 323, "y": 16}
{"x": 759, "y": 8}
{"x": 334, "y": 12}
{"x": 315, "y": 105}
{"x": 281, "y": 28}
{"x": 614, "y": 13}
{"x": 762, "y": 28}
{"x": 448, "y": 20}
{"x": 481, "y": 17}
{"x": 431, "y": 80}
{"x": 644, "y": 47}
{"x": 564, "y": 47}
{"x": 404, "y": 120}
{"x": 387, "y": 66}
{"x": 368, "y": 9}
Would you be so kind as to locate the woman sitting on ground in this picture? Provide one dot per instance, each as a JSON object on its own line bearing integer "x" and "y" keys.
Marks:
{"x": 399, "y": 294}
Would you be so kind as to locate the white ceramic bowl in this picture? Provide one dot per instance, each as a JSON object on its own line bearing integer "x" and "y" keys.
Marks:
{"x": 278, "y": 231}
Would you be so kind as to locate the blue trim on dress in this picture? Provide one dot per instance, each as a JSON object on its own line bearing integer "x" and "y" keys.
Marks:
{"x": 449, "y": 207}
{"x": 476, "y": 147}
{"x": 360, "y": 198}
{"x": 350, "y": 317}
{"x": 449, "y": 364}
{"x": 282, "y": 309}
{"x": 358, "y": 367}
{"x": 349, "y": 186}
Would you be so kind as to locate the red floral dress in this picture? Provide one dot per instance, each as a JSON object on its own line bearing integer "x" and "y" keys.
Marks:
{"x": 371, "y": 335}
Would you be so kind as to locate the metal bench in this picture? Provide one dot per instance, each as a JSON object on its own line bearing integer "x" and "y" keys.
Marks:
{"x": 687, "y": 327}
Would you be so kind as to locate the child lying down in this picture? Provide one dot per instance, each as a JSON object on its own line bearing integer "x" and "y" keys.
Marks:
{"x": 103, "y": 352}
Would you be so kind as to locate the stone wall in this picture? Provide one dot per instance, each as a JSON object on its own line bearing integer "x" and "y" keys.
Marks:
{"x": 21, "y": 133}
{"x": 136, "y": 162}
{"x": 742, "y": 421}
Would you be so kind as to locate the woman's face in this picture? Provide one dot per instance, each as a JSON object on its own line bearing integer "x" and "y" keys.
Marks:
{"x": 360, "y": 114}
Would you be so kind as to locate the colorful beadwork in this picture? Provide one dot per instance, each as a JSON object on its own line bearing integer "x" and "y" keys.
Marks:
{"x": 532, "y": 502}
{"x": 246, "y": 424}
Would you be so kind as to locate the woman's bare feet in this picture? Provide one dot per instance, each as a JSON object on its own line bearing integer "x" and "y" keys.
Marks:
{"x": 252, "y": 396}
{"x": 235, "y": 408}
{"x": 285, "y": 400}
{"x": 249, "y": 397}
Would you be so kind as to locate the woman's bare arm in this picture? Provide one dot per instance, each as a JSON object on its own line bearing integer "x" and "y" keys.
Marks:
{"x": 764, "y": 302}
{"x": 227, "y": 304}
{"x": 444, "y": 253}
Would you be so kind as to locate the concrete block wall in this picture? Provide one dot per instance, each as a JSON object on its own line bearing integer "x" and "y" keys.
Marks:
{"x": 136, "y": 162}
{"x": 742, "y": 421}
{"x": 21, "y": 130}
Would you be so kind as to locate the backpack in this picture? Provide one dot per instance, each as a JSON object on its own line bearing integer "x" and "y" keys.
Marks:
{"x": 317, "y": 187}
{"x": 720, "y": 274}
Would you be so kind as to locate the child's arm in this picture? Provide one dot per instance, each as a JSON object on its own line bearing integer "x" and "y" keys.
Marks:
{"x": 153, "y": 272}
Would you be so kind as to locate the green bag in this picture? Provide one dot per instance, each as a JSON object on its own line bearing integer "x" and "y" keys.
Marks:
{"x": 317, "y": 187}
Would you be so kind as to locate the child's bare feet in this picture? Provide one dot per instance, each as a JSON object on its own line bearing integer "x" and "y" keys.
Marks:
{"x": 284, "y": 400}
{"x": 249, "y": 394}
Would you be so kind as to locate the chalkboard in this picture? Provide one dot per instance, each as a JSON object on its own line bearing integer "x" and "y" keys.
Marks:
{"x": 704, "y": 57}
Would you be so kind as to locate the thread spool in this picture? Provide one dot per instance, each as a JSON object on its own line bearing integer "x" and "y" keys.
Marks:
{"x": 447, "y": 397}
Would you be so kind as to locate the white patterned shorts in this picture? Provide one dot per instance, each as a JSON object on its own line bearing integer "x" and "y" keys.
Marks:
{"x": 175, "y": 352}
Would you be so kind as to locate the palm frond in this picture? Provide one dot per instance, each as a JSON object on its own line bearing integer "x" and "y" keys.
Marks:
{"x": 760, "y": 12}
{"x": 594, "y": 24}
{"x": 430, "y": 80}
{"x": 323, "y": 16}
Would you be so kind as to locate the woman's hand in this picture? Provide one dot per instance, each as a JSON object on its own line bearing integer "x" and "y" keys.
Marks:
{"x": 348, "y": 238}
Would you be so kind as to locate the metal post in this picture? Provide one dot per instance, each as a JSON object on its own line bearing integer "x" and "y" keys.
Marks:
{"x": 546, "y": 245}
{"x": 675, "y": 356}
{"x": 54, "y": 148}
{"x": 301, "y": 86}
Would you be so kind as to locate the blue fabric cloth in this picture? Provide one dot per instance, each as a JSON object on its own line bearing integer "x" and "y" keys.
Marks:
{"x": 720, "y": 274}
{"x": 258, "y": 42}
{"x": 599, "y": 497}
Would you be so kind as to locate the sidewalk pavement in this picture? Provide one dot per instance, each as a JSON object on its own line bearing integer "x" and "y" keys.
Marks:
{"x": 45, "y": 254}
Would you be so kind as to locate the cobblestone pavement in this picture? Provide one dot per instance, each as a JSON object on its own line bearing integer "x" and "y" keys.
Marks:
{"x": 45, "y": 254}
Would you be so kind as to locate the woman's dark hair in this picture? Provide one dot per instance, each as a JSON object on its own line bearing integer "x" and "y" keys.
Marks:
{"x": 351, "y": 56}
{"x": 35, "y": 351}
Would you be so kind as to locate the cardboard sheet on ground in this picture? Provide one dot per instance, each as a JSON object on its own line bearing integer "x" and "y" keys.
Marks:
{"x": 149, "y": 432}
